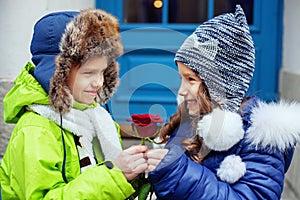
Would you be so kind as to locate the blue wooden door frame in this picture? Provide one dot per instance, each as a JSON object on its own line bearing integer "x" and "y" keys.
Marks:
{"x": 149, "y": 79}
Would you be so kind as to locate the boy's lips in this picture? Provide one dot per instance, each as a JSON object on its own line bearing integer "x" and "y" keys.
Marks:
{"x": 92, "y": 93}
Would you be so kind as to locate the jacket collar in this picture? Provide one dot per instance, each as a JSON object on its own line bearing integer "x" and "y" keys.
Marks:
{"x": 87, "y": 125}
{"x": 26, "y": 91}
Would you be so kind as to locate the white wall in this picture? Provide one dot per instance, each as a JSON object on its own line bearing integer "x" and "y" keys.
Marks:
{"x": 17, "y": 18}
{"x": 290, "y": 80}
{"x": 291, "y": 37}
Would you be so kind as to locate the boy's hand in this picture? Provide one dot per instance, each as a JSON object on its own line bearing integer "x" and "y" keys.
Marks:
{"x": 132, "y": 161}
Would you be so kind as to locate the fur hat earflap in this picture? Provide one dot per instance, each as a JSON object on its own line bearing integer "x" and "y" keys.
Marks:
{"x": 93, "y": 32}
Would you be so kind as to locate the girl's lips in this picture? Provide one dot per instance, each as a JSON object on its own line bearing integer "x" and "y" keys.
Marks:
{"x": 191, "y": 102}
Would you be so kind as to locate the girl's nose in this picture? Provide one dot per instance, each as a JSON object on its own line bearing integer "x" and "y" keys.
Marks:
{"x": 183, "y": 89}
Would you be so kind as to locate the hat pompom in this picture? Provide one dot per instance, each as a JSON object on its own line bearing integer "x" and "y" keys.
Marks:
{"x": 221, "y": 129}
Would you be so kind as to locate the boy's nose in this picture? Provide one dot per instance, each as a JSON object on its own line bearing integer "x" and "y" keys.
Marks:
{"x": 98, "y": 82}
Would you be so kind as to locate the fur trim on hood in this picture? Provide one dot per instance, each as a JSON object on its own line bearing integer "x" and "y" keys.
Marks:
{"x": 273, "y": 125}
{"x": 93, "y": 32}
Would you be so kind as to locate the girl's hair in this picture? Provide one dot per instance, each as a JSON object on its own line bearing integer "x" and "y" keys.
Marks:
{"x": 193, "y": 146}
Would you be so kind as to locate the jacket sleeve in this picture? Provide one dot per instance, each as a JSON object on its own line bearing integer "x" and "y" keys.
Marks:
{"x": 178, "y": 177}
{"x": 32, "y": 167}
{"x": 95, "y": 183}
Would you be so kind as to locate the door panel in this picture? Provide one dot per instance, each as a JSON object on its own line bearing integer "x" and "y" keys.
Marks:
{"x": 149, "y": 78}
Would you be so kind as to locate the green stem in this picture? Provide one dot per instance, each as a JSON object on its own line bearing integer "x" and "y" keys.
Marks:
{"x": 150, "y": 140}
{"x": 143, "y": 141}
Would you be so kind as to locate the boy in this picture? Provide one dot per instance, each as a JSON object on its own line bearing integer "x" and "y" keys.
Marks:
{"x": 64, "y": 144}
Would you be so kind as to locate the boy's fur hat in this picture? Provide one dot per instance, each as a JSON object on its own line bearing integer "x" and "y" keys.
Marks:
{"x": 93, "y": 32}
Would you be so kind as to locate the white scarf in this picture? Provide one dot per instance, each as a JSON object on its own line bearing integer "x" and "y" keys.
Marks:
{"x": 87, "y": 124}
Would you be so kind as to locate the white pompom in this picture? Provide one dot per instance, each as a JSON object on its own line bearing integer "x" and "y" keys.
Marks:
{"x": 231, "y": 169}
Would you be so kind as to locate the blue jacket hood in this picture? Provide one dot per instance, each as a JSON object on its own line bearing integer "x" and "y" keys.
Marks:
{"x": 45, "y": 44}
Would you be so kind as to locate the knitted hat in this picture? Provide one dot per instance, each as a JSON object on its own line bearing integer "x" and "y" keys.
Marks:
{"x": 44, "y": 45}
{"x": 91, "y": 33}
{"x": 221, "y": 52}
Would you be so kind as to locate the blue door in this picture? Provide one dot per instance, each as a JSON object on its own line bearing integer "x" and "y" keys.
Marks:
{"x": 152, "y": 31}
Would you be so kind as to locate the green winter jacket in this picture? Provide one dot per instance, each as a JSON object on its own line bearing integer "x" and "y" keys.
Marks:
{"x": 32, "y": 167}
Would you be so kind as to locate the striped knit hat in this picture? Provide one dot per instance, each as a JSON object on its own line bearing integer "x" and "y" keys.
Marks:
{"x": 221, "y": 52}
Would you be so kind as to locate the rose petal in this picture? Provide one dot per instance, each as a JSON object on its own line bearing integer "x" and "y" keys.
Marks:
{"x": 146, "y": 131}
{"x": 145, "y": 119}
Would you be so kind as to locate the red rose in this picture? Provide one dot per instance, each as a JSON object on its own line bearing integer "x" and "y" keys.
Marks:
{"x": 145, "y": 119}
{"x": 145, "y": 125}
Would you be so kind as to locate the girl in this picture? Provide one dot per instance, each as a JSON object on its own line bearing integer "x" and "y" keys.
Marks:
{"x": 221, "y": 144}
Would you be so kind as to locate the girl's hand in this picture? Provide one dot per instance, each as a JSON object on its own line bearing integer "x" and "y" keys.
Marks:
{"x": 132, "y": 161}
{"x": 154, "y": 157}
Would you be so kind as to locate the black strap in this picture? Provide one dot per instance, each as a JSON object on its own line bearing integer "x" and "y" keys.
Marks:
{"x": 65, "y": 153}
{"x": 107, "y": 108}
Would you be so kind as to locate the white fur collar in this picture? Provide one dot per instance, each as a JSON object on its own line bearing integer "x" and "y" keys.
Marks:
{"x": 87, "y": 124}
{"x": 275, "y": 125}
{"x": 221, "y": 129}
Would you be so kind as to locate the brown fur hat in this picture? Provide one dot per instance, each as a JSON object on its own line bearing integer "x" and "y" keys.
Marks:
{"x": 93, "y": 32}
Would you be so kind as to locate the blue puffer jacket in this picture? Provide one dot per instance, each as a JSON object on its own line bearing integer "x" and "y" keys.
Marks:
{"x": 247, "y": 166}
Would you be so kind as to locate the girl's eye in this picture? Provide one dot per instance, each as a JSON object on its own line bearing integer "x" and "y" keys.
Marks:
{"x": 87, "y": 72}
{"x": 191, "y": 79}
